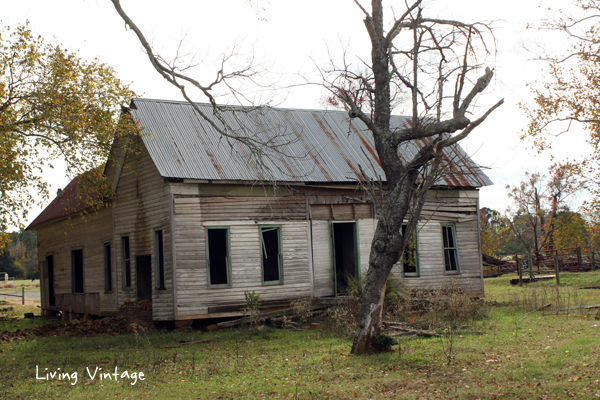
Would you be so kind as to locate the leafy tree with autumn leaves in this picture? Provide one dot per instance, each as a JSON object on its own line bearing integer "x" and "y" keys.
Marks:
{"x": 569, "y": 96}
{"x": 496, "y": 234}
{"x": 53, "y": 106}
{"x": 539, "y": 217}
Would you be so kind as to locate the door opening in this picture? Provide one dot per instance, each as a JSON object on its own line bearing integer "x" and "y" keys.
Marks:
{"x": 50, "y": 275}
{"x": 345, "y": 255}
{"x": 143, "y": 276}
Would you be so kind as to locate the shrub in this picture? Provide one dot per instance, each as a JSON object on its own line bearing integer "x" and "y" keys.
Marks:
{"x": 385, "y": 342}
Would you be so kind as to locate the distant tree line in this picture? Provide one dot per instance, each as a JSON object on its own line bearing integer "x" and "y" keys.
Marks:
{"x": 19, "y": 258}
{"x": 539, "y": 217}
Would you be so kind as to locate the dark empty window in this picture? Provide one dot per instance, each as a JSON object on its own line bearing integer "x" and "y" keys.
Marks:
{"x": 218, "y": 255}
{"x": 159, "y": 260}
{"x": 450, "y": 252}
{"x": 107, "y": 268}
{"x": 50, "y": 266}
{"x": 77, "y": 271}
{"x": 410, "y": 260}
{"x": 126, "y": 262}
{"x": 270, "y": 248}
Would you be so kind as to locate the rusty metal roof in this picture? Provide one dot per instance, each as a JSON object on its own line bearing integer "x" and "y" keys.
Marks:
{"x": 307, "y": 145}
{"x": 72, "y": 199}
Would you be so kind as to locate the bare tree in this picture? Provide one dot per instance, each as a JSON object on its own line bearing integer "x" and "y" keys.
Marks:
{"x": 416, "y": 57}
{"x": 537, "y": 202}
{"x": 263, "y": 149}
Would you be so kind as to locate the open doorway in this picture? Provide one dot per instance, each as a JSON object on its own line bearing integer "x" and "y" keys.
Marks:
{"x": 345, "y": 255}
{"x": 143, "y": 277}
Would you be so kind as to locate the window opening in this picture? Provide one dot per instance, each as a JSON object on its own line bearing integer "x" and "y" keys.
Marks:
{"x": 159, "y": 259}
{"x": 107, "y": 268}
{"x": 410, "y": 260}
{"x": 450, "y": 251}
{"x": 126, "y": 261}
{"x": 77, "y": 271}
{"x": 218, "y": 255}
{"x": 271, "y": 254}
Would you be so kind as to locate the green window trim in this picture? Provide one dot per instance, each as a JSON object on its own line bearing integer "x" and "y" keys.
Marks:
{"x": 358, "y": 270}
{"x": 210, "y": 276}
{"x": 450, "y": 248}
{"x": 414, "y": 248}
{"x": 264, "y": 253}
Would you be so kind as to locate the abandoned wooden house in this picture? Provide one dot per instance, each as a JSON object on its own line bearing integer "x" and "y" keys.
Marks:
{"x": 196, "y": 222}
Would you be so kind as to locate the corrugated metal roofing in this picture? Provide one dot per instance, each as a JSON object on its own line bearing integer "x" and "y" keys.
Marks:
{"x": 308, "y": 145}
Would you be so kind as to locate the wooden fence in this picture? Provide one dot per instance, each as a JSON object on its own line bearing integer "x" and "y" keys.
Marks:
{"x": 22, "y": 295}
{"x": 575, "y": 259}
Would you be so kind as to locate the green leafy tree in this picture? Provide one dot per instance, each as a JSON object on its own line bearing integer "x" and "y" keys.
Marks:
{"x": 23, "y": 247}
{"x": 53, "y": 105}
{"x": 9, "y": 266}
{"x": 495, "y": 232}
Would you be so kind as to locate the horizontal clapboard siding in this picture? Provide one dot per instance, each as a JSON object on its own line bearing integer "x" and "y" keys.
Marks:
{"x": 142, "y": 206}
{"x": 321, "y": 249}
{"x": 89, "y": 234}
{"x": 462, "y": 211}
{"x": 194, "y": 293}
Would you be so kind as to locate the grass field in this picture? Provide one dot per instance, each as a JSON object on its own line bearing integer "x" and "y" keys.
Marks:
{"x": 15, "y": 286}
{"x": 515, "y": 353}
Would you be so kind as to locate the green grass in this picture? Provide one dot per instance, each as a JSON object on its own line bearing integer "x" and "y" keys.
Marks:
{"x": 15, "y": 286}
{"x": 513, "y": 353}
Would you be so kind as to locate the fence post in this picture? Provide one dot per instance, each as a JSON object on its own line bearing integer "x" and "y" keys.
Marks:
{"x": 593, "y": 260}
{"x": 23, "y": 295}
{"x": 579, "y": 261}
{"x": 520, "y": 270}
{"x": 5, "y": 278}
{"x": 557, "y": 270}
{"x": 530, "y": 261}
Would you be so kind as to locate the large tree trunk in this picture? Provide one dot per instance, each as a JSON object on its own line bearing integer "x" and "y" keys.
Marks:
{"x": 384, "y": 255}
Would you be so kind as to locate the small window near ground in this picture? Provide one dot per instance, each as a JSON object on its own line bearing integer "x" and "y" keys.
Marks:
{"x": 219, "y": 267}
{"x": 410, "y": 256}
{"x": 107, "y": 269}
{"x": 77, "y": 271}
{"x": 125, "y": 262}
{"x": 159, "y": 260}
{"x": 450, "y": 250}
{"x": 270, "y": 247}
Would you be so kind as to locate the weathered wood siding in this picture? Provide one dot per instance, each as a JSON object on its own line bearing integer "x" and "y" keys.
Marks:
{"x": 243, "y": 215}
{"x": 366, "y": 229}
{"x": 89, "y": 234}
{"x": 460, "y": 208}
{"x": 321, "y": 248}
{"x": 141, "y": 207}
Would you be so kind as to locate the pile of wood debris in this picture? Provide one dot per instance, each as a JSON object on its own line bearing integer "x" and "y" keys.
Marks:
{"x": 108, "y": 326}
{"x": 413, "y": 328}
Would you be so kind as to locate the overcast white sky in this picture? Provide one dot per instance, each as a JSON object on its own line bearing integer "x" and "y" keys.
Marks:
{"x": 290, "y": 37}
